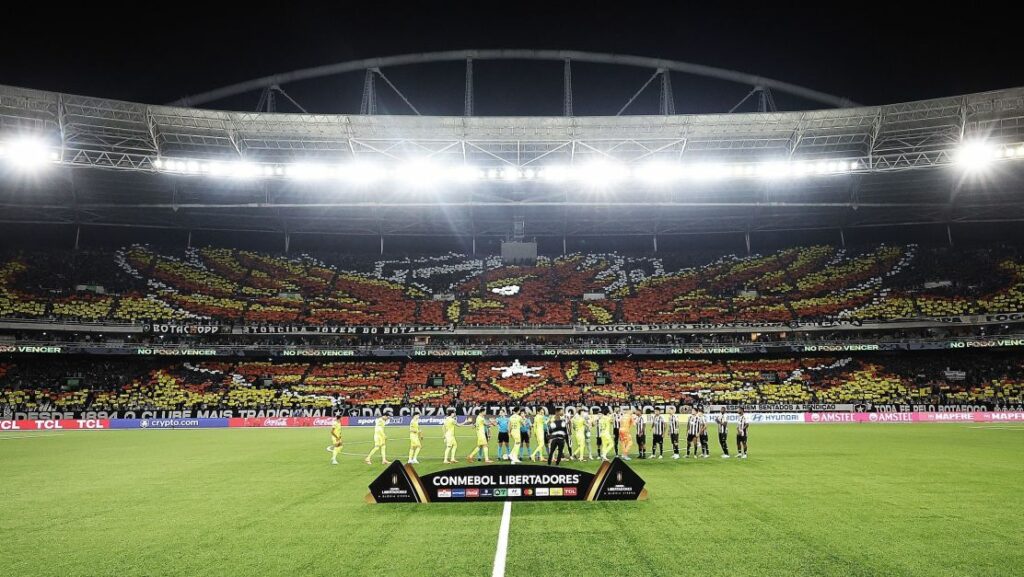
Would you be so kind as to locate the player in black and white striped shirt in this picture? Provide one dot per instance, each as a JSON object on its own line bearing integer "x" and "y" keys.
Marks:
{"x": 741, "y": 435}
{"x": 692, "y": 433}
{"x": 658, "y": 434}
{"x": 641, "y": 434}
{"x": 723, "y": 432}
{"x": 673, "y": 431}
{"x": 703, "y": 433}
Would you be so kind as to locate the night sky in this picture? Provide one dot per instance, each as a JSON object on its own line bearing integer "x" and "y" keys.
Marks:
{"x": 156, "y": 53}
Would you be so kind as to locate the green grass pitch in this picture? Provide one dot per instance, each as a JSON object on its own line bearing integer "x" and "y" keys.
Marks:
{"x": 841, "y": 500}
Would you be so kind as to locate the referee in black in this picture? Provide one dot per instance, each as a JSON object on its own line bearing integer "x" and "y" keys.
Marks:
{"x": 557, "y": 433}
{"x": 658, "y": 434}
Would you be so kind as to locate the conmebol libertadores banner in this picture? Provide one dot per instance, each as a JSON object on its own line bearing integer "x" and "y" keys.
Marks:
{"x": 613, "y": 481}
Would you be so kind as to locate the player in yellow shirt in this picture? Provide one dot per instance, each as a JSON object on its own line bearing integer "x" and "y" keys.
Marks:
{"x": 380, "y": 440}
{"x": 415, "y": 439}
{"x": 540, "y": 422}
{"x": 579, "y": 432}
{"x": 515, "y": 431}
{"x": 450, "y": 444}
{"x": 607, "y": 441}
{"x": 481, "y": 439}
{"x": 335, "y": 447}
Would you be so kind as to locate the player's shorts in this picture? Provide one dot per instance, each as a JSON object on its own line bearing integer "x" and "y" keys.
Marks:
{"x": 414, "y": 441}
{"x": 657, "y": 439}
{"x": 600, "y": 440}
{"x": 379, "y": 440}
{"x": 641, "y": 439}
{"x": 674, "y": 437}
{"x": 690, "y": 438}
{"x": 741, "y": 438}
{"x": 449, "y": 440}
{"x": 580, "y": 441}
{"x": 502, "y": 437}
{"x": 481, "y": 439}
{"x": 335, "y": 440}
{"x": 516, "y": 438}
{"x": 608, "y": 440}
{"x": 704, "y": 438}
{"x": 623, "y": 436}
{"x": 525, "y": 436}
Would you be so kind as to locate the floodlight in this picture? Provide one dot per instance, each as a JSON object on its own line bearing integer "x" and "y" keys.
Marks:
{"x": 659, "y": 172}
{"x": 361, "y": 172}
{"x": 27, "y": 153}
{"x": 244, "y": 169}
{"x": 420, "y": 172}
{"x": 555, "y": 173}
{"x": 975, "y": 155}
{"x": 510, "y": 173}
{"x": 601, "y": 173}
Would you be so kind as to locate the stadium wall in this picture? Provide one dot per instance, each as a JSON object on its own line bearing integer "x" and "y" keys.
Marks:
{"x": 291, "y": 422}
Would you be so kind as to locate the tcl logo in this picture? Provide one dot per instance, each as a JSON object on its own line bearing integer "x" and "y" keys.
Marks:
{"x": 9, "y": 426}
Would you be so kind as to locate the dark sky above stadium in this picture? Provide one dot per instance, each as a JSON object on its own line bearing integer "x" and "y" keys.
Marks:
{"x": 159, "y": 52}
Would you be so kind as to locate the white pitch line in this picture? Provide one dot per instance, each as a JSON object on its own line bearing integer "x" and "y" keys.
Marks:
{"x": 7, "y": 437}
{"x": 499, "y": 555}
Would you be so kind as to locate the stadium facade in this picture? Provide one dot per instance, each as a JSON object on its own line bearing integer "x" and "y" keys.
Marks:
{"x": 789, "y": 314}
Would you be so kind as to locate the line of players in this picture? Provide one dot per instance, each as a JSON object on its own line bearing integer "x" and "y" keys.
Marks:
{"x": 616, "y": 431}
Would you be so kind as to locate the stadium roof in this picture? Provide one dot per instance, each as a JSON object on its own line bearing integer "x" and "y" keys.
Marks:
{"x": 108, "y": 168}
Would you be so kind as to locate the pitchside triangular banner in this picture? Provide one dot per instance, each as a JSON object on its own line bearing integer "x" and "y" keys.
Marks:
{"x": 613, "y": 481}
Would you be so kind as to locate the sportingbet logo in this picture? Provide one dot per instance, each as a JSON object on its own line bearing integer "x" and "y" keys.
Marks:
{"x": 444, "y": 493}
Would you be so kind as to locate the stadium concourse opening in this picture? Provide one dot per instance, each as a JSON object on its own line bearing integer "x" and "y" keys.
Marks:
{"x": 801, "y": 329}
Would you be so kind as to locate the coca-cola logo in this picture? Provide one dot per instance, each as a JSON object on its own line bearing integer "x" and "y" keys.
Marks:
{"x": 282, "y": 422}
{"x": 322, "y": 422}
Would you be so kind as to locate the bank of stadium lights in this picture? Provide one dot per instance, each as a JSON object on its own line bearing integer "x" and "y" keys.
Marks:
{"x": 28, "y": 153}
{"x": 977, "y": 155}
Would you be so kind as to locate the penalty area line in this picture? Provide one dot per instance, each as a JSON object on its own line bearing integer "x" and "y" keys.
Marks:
{"x": 502, "y": 550}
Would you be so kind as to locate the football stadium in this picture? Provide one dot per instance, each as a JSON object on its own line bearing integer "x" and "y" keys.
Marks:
{"x": 381, "y": 341}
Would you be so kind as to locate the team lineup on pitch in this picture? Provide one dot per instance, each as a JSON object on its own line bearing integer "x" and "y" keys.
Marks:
{"x": 585, "y": 436}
